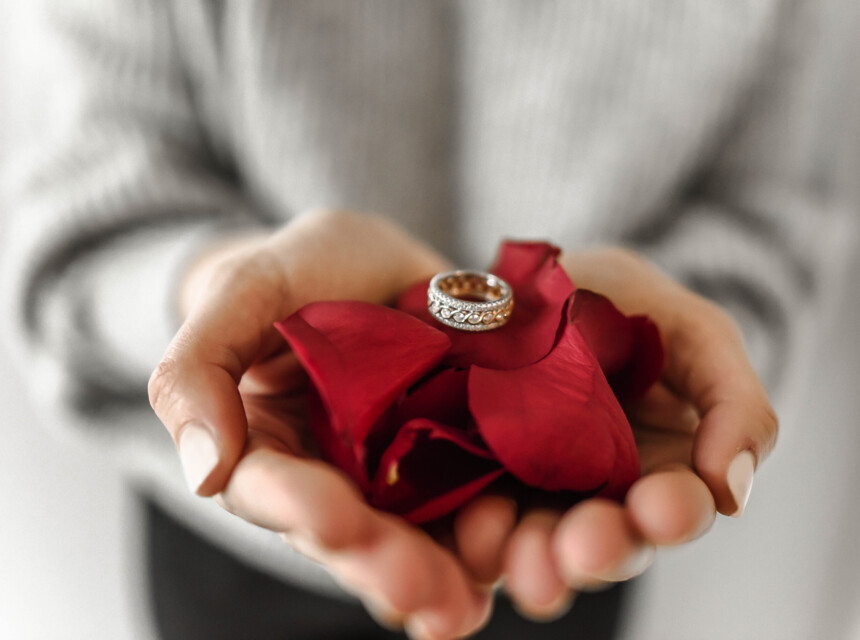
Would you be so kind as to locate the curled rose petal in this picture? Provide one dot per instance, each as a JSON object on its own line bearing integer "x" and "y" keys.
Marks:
{"x": 645, "y": 364}
{"x": 360, "y": 357}
{"x": 518, "y": 262}
{"x": 628, "y": 349}
{"x": 430, "y": 470}
{"x": 349, "y": 457}
{"x": 541, "y": 288}
{"x": 556, "y": 424}
{"x": 606, "y": 330}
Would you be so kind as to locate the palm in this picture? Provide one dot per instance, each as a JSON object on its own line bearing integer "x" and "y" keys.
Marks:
{"x": 664, "y": 428}
{"x": 273, "y": 394}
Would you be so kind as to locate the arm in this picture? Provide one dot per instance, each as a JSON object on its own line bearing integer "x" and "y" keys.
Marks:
{"x": 117, "y": 190}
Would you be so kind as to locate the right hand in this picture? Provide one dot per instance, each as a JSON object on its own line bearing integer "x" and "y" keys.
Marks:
{"x": 231, "y": 395}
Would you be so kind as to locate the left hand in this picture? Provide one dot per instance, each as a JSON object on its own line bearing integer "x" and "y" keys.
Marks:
{"x": 701, "y": 432}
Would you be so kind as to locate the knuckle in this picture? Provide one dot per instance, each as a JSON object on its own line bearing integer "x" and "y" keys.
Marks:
{"x": 770, "y": 427}
{"x": 252, "y": 281}
{"x": 162, "y": 384}
{"x": 232, "y": 272}
{"x": 332, "y": 217}
{"x": 623, "y": 259}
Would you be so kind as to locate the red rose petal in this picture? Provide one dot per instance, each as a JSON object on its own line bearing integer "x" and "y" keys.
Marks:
{"x": 628, "y": 348}
{"x": 518, "y": 262}
{"x": 556, "y": 424}
{"x": 645, "y": 364}
{"x": 605, "y": 329}
{"x": 347, "y": 456}
{"x": 430, "y": 470}
{"x": 541, "y": 288}
{"x": 442, "y": 398}
{"x": 360, "y": 357}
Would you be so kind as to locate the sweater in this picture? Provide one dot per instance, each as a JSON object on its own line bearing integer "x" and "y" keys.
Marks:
{"x": 720, "y": 140}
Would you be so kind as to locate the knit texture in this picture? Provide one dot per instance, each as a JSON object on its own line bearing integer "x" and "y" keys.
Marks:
{"x": 719, "y": 139}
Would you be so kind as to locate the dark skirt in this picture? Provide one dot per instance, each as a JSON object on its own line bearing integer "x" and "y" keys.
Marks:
{"x": 200, "y": 593}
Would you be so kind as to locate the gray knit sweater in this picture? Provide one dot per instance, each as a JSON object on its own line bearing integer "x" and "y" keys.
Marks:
{"x": 721, "y": 139}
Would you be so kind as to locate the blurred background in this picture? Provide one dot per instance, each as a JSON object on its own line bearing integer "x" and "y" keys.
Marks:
{"x": 69, "y": 564}
{"x": 66, "y": 532}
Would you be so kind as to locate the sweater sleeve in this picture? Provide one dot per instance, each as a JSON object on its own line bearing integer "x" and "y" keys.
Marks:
{"x": 765, "y": 228}
{"x": 115, "y": 190}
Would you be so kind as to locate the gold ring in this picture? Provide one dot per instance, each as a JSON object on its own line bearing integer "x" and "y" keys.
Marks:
{"x": 470, "y": 300}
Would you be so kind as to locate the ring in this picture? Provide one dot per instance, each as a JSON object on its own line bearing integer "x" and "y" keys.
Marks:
{"x": 470, "y": 300}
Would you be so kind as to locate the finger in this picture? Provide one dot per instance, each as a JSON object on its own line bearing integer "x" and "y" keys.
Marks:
{"x": 194, "y": 390}
{"x": 394, "y": 567}
{"x": 707, "y": 363}
{"x": 659, "y": 447}
{"x": 596, "y": 542}
{"x": 278, "y": 491}
{"x": 660, "y": 409}
{"x": 274, "y": 374}
{"x": 481, "y": 530}
{"x": 413, "y": 579}
{"x": 670, "y": 506}
{"x": 282, "y": 421}
{"x": 531, "y": 576}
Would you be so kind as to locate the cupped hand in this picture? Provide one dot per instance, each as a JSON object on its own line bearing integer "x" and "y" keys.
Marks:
{"x": 232, "y": 397}
{"x": 701, "y": 432}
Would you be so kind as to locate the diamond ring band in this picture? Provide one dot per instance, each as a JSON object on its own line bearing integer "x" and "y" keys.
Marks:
{"x": 470, "y": 300}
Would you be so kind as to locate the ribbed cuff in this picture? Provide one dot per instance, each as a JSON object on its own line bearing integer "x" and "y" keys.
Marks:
{"x": 747, "y": 274}
{"x": 117, "y": 310}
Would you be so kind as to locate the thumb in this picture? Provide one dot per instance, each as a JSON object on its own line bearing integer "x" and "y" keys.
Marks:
{"x": 707, "y": 363}
{"x": 194, "y": 390}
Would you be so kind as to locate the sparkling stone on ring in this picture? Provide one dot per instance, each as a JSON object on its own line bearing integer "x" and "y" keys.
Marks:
{"x": 470, "y": 300}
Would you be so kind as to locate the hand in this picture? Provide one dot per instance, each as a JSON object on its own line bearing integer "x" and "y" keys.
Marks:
{"x": 700, "y": 432}
{"x": 231, "y": 395}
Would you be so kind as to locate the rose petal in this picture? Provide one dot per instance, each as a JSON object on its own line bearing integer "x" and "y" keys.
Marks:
{"x": 347, "y": 456}
{"x": 360, "y": 357}
{"x": 441, "y": 397}
{"x": 645, "y": 364}
{"x": 605, "y": 329}
{"x": 430, "y": 470}
{"x": 556, "y": 424}
{"x": 518, "y": 262}
{"x": 541, "y": 288}
{"x": 628, "y": 348}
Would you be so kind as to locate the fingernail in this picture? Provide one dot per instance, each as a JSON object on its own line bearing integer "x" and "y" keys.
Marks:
{"x": 638, "y": 561}
{"x": 489, "y": 587}
{"x": 198, "y": 454}
{"x": 417, "y": 629}
{"x": 548, "y": 612}
{"x": 384, "y": 614}
{"x": 740, "y": 479}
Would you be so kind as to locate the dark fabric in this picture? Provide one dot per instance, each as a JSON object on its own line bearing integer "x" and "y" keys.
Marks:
{"x": 200, "y": 593}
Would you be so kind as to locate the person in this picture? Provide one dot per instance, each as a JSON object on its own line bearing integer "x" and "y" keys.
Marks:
{"x": 201, "y": 172}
